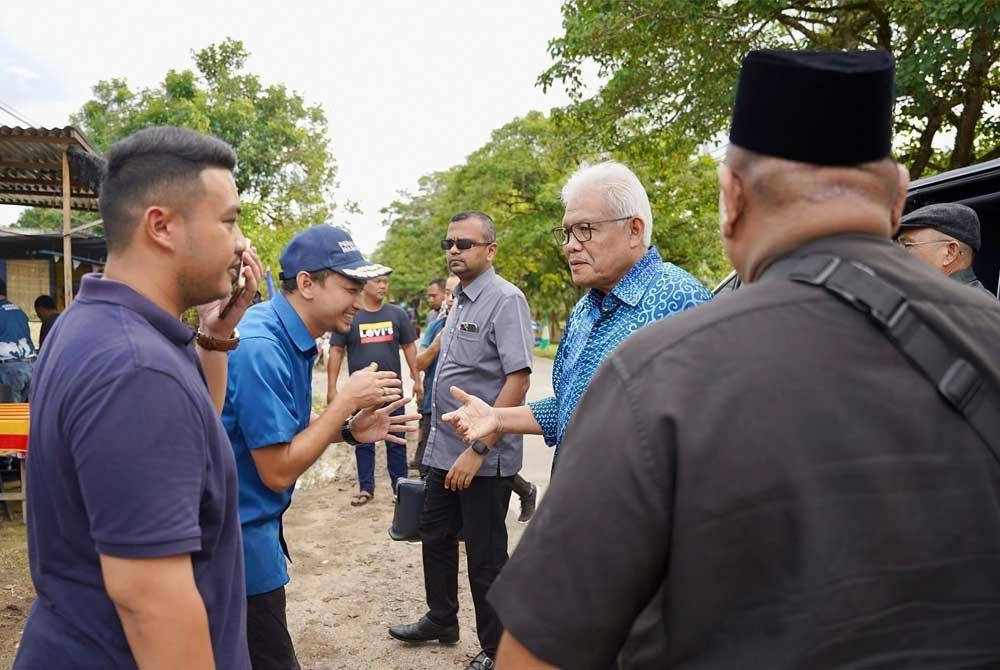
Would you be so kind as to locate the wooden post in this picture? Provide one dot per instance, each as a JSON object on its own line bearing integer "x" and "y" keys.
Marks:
{"x": 67, "y": 235}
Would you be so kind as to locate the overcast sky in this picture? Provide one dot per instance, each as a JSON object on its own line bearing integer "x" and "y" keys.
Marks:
{"x": 408, "y": 88}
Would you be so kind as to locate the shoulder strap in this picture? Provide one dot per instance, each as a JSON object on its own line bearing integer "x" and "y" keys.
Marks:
{"x": 954, "y": 377}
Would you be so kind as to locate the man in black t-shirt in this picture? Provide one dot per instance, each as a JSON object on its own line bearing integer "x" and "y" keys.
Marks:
{"x": 379, "y": 330}
{"x": 45, "y": 308}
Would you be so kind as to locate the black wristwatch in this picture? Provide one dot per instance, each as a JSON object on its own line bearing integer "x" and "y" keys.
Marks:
{"x": 479, "y": 447}
{"x": 347, "y": 436}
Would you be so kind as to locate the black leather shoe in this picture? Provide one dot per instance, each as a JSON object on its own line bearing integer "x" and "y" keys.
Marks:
{"x": 481, "y": 662}
{"x": 528, "y": 505}
{"x": 425, "y": 630}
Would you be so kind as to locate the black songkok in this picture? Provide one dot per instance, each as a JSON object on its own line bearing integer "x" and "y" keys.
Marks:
{"x": 820, "y": 107}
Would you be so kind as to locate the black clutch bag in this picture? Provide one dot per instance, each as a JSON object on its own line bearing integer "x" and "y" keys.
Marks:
{"x": 409, "y": 506}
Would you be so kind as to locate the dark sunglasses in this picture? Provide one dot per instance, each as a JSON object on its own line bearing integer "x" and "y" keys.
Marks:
{"x": 462, "y": 244}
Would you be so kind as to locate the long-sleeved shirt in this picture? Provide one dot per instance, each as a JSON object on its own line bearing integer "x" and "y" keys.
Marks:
{"x": 649, "y": 291}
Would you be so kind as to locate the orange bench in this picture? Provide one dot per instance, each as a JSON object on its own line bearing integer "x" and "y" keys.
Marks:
{"x": 14, "y": 442}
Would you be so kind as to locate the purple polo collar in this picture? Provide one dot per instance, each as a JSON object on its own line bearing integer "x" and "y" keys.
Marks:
{"x": 95, "y": 288}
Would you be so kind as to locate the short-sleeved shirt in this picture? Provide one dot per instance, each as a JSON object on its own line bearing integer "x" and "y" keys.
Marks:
{"x": 46, "y": 327}
{"x": 15, "y": 335}
{"x": 268, "y": 401}
{"x": 376, "y": 337}
{"x": 432, "y": 331}
{"x": 486, "y": 337}
{"x": 127, "y": 459}
{"x": 648, "y": 292}
{"x": 770, "y": 483}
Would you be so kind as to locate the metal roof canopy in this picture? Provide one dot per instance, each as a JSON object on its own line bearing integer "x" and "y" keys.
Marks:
{"x": 50, "y": 167}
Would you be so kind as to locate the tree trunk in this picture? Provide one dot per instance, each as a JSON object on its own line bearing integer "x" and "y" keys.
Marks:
{"x": 982, "y": 54}
{"x": 926, "y": 147}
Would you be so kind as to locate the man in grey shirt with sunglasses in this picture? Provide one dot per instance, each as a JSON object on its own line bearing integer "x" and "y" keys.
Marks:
{"x": 486, "y": 348}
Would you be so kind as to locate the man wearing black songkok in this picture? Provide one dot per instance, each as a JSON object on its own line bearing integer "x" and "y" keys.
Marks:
{"x": 802, "y": 472}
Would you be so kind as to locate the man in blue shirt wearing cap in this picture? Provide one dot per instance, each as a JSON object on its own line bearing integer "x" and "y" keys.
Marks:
{"x": 268, "y": 410}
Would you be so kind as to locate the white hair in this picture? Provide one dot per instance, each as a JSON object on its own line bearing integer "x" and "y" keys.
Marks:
{"x": 623, "y": 193}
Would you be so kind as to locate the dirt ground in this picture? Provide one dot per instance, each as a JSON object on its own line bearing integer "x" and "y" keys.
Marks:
{"x": 349, "y": 581}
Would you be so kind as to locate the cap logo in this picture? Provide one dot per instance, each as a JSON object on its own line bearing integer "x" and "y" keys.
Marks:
{"x": 347, "y": 246}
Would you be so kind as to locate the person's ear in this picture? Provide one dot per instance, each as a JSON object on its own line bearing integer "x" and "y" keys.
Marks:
{"x": 897, "y": 207}
{"x": 636, "y": 228}
{"x": 305, "y": 284}
{"x": 953, "y": 253}
{"x": 160, "y": 226}
{"x": 732, "y": 200}
{"x": 491, "y": 251}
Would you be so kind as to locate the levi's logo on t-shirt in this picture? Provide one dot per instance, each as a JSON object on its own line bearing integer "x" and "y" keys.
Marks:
{"x": 376, "y": 332}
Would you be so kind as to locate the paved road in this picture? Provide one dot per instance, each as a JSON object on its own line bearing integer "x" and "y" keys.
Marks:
{"x": 537, "y": 456}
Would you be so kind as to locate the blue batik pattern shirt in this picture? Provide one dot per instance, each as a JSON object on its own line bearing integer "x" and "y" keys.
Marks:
{"x": 649, "y": 291}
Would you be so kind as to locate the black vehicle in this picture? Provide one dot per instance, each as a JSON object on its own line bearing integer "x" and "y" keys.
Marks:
{"x": 977, "y": 186}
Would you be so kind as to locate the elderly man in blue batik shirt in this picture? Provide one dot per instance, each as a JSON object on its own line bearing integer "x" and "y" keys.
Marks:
{"x": 606, "y": 236}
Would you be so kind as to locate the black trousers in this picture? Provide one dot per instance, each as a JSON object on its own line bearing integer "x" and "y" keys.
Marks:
{"x": 267, "y": 632}
{"x": 480, "y": 511}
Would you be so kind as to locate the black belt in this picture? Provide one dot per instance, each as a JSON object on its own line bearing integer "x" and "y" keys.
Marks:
{"x": 955, "y": 378}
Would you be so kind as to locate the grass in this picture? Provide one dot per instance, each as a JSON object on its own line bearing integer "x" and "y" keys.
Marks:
{"x": 547, "y": 352}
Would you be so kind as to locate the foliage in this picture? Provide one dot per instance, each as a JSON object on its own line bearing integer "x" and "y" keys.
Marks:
{"x": 285, "y": 173}
{"x": 672, "y": 65}
{"x": 517, "y": 177}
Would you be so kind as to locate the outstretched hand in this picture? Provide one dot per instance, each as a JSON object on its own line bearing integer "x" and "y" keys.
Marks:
{"x": 475, "y": 419}
{"x": 372, "y": 425}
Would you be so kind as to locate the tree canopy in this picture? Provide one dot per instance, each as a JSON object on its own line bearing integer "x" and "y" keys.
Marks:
{"x": 285, "y": 172}
{"x": 516, "y": 178}
{"x": 671, "y": 65}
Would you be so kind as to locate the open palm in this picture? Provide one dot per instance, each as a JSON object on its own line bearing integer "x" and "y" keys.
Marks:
{"x": 474, "y": 419}
{"x": 372, "y": 425}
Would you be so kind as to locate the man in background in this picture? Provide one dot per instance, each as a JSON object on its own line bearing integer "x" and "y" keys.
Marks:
{"x": 17, "y": 352}
{"x": 45, "y": 308}
{"x": 377, "y": 333}
{"x": 946, "y": 237}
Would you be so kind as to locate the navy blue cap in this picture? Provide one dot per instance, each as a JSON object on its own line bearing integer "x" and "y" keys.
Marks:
{"x": 327, "y": 248}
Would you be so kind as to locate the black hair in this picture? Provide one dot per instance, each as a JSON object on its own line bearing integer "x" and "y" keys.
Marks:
{"x": 44, "y": 302}
{"x": 143, "y": 165}
{"x": 291, "y": 284}
{"x": 489, "y": 228}
{"x": 437, "y": 282}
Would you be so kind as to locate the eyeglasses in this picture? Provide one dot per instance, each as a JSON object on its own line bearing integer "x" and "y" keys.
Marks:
{"x": 583, "y": 231}
{"x": 906, "y": 244}
{"x": 462, "y": 244}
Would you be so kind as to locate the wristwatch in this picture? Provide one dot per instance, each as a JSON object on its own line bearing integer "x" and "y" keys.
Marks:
{"x": 479, "y": 447}
{"x": 209, "y": 343}
{"x": 346, "y": 435}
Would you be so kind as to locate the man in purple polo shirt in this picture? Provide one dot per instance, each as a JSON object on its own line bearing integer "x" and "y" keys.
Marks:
{"x": 134, "y": 536}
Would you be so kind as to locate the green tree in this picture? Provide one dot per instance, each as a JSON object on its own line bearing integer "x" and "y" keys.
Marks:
{"x": 286, "y": 172}
{"x": 671, "y": 66}
{"x": 517, "y": 178}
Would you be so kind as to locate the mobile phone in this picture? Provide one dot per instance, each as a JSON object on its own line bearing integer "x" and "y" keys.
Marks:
{"x": 238, "y": 287}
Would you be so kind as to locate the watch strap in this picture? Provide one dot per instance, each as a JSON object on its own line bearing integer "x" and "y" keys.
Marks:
{"x": 479, "y": 447}
{"x": 346, "y": 435}
{"x": 210, "y": 343}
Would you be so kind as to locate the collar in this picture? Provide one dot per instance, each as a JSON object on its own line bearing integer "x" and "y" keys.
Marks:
{"x": 633, "y": 284}
{"x": 94, "y": 288}
{"x": 473, "y": 290}
{"x": 848, "y": 245}
{"x": 965, "y": 276}
{"x": 292, "y": 323}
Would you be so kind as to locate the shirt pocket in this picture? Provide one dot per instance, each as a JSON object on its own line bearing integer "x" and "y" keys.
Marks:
{"x": 467, "y": 347}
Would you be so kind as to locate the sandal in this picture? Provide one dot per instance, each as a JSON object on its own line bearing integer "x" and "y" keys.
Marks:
{"x": 361, "y": 499}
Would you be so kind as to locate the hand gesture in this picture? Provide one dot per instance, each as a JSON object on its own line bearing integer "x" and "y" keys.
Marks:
{"x": 474, "y": 419}
{"x": 372, "y": 425}
{"x": 209, "y": 321}
{"x": 369, "y": 387}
